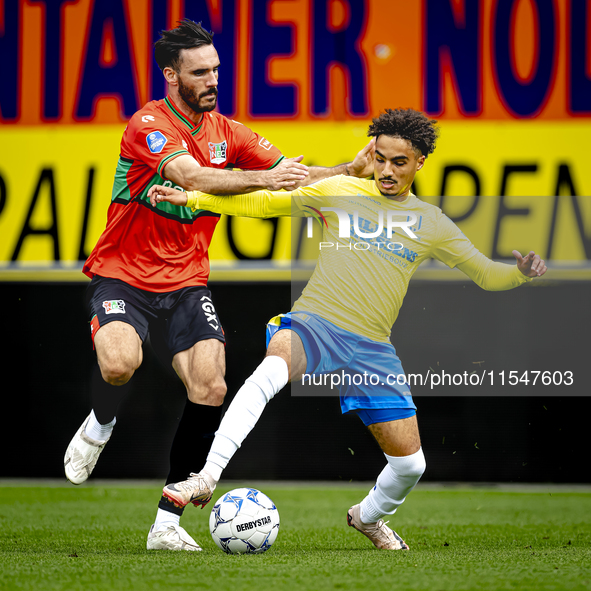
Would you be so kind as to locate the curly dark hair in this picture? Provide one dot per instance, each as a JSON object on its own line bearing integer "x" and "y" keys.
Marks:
{"x": 187, "y": 35}
{"x": 407, "y": 124}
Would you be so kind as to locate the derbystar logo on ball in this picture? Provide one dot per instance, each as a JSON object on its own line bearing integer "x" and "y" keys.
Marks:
{"x": 244, "y": 521}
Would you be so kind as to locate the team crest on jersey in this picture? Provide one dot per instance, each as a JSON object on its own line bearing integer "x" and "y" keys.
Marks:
{"x": 156, "y": 141}
{"x": 114, "y": 307}
{"x": 266, "y": 144}
{"x": 217, "y": 152}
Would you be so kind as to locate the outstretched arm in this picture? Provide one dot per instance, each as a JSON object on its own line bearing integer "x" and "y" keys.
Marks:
{"x": 289, "y": 174}
{"x": 260, "y": 204}
{"x": 494, "y": 276}
{"x": 186, "y": 172}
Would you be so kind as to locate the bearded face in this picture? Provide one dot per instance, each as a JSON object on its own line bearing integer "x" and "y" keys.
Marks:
{"x": 197, "y": 78}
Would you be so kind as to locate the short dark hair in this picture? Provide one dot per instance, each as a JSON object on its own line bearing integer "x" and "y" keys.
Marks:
{"x": 407, "y": 124}
{"x": 187, "y": 35}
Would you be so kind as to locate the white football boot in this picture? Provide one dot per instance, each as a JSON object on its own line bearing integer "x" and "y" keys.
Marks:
{"x": 82, "y": 455}
{"x": 379, "y": 533}
{"x": 197, "y": 489}
{"x": 171, "y": 537}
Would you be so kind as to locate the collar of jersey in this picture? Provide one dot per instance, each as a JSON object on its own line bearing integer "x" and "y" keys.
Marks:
{"x": 177, "y": 113}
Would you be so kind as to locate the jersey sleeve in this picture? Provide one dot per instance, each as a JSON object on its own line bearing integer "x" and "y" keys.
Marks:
{"x": 253, "y": 151}
{"x": 451, "y": 246}
{"x": 259, "y": 204}
{"x": 155, "y": 142}
{"x": 301, "y": 202}
{"x": 312, "y": 197}
{"x": 492, "y": 276}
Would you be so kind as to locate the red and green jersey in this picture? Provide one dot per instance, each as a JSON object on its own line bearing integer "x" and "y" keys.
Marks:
{"x": 165, "y": 248}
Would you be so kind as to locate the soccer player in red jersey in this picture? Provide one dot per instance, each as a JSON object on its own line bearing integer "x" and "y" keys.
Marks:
{"x": 150, "y": 266}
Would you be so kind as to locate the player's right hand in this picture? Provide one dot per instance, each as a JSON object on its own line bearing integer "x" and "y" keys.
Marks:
{"x": 287, "y": 174}
{"x": 362, "y": 166}
{"x": 531, "y": 265}
{"x": 159, "y": 193}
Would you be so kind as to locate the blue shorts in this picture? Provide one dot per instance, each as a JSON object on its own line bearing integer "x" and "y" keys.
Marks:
{"x": 369, "y": 416}
{"x": 332, "y": 349}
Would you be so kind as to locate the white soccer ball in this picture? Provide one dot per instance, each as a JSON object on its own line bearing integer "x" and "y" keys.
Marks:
{"x": 244, "y": 521}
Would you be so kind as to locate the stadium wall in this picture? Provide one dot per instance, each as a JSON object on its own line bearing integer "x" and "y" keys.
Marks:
{"x": 509, "y": 82}
{"x": 522, "y": 433}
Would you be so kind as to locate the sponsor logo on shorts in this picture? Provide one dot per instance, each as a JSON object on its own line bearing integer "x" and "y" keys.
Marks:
{"x": 210, "y": 314}
{"x": 114, "y": 307}
{"x": 156, "y": 141}
{"x": 217, "y": 152}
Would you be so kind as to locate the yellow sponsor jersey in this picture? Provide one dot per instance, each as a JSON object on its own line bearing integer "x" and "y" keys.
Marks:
{"x": 364, "y": 267}
{"x": 370, "y": 248}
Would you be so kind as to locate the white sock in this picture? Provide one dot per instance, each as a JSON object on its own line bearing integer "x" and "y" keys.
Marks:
{"x": 244, "y": 412}
{"x": 97, "y": 431}
{"x": 166, "y": 518}
{"x": 397, "y": 479}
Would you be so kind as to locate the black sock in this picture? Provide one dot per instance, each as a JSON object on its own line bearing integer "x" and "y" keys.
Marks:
{"x": 191, "y": 445}
{"x": 193, "y": 440}
{"x": 169, "y": 506}
{"x": 106, "y": 398}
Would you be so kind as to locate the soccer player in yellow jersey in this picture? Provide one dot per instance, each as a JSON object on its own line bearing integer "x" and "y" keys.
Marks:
{"x": 375, "y": 235}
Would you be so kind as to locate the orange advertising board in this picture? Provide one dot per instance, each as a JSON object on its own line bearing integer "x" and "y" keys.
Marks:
{"x": 72, "y": 61}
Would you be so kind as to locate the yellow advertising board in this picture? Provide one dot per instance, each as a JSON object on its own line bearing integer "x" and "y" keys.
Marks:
{"x": 57, "y": 187}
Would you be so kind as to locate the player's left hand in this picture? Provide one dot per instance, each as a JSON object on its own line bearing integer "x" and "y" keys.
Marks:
{"x": 531, "y": 265}
{"x": 362, "y": 166}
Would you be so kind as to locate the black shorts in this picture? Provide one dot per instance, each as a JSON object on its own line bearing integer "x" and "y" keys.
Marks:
{"x": 174, "y": 320}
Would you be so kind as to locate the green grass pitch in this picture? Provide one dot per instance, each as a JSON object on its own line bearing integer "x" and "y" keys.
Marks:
{"x": 93, "y": 537}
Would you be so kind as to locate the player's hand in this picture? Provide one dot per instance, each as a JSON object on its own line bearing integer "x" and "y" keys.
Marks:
{"x": 531, "y": 265}
{"x": 288, "y": 174}
{"x": 159, "y": 193}
{"x": 362, "y": 166}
